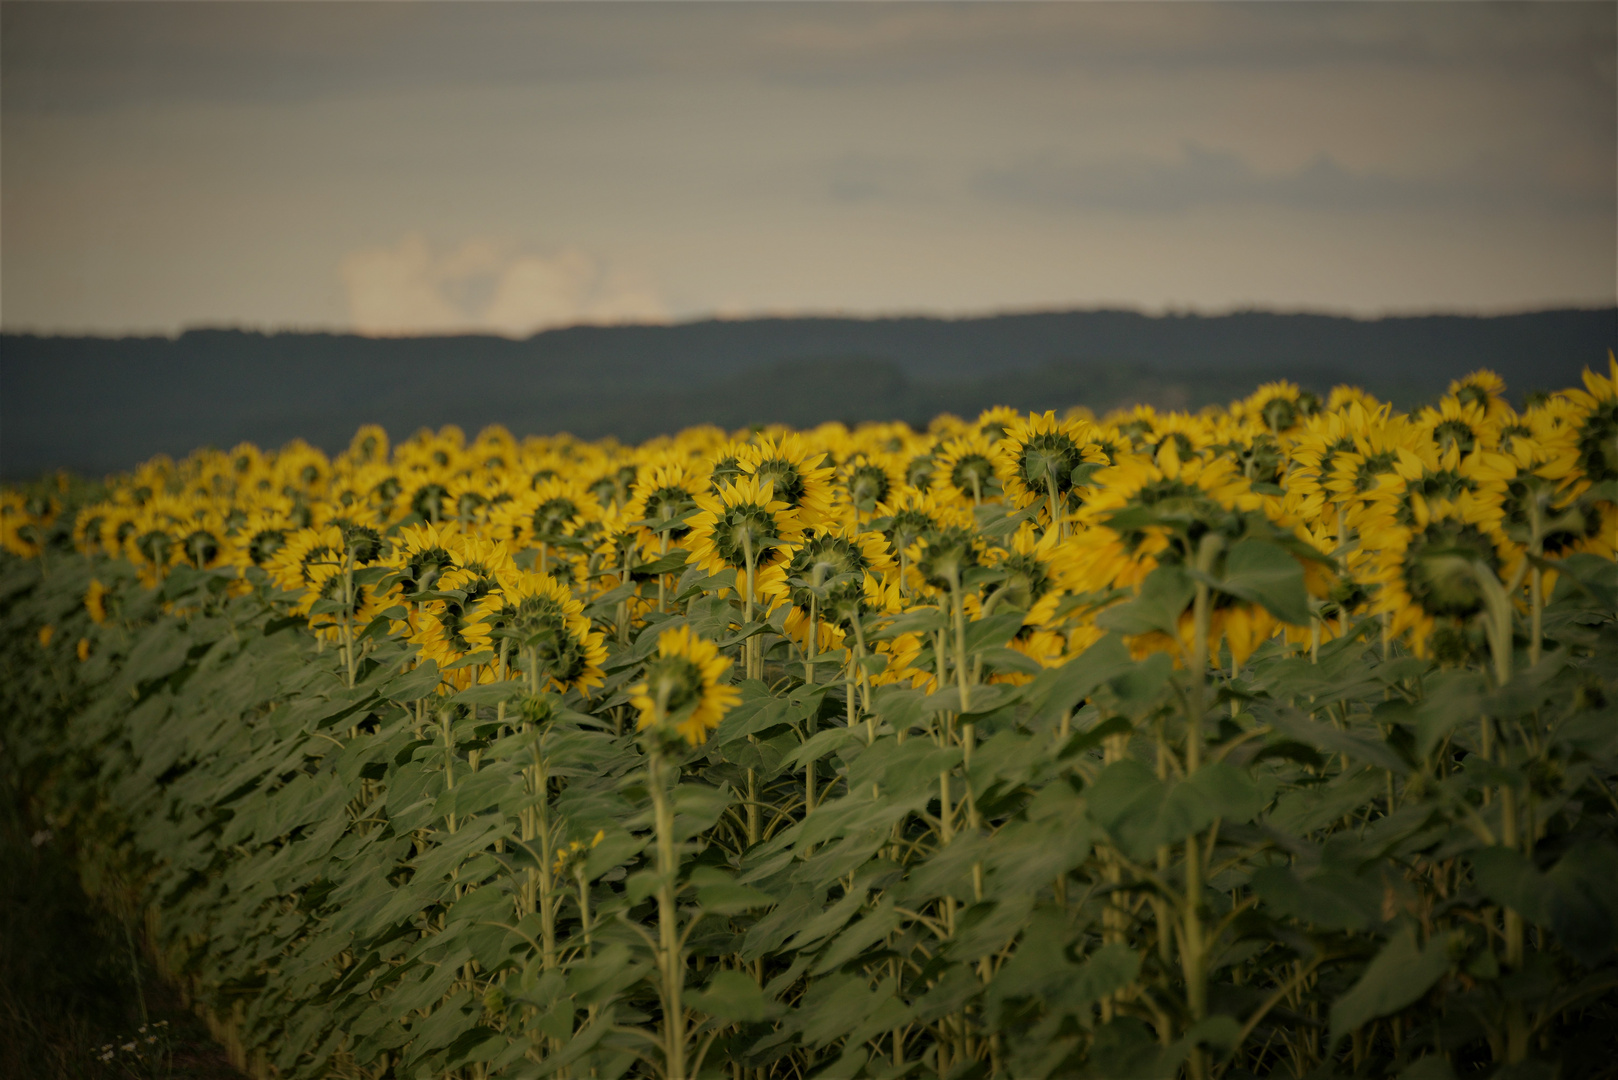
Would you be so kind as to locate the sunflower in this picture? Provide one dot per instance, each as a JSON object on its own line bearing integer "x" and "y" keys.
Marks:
{"x": 205, "y": 545}
{"x": 1484, "y": 390}
{"x": 967, "y": 469}
{"x": 823, "y": 577}
{"x": 95, "y": 601}
{"x": 681, "y": 689}
{"x": 494, "y": 450}
{"x": 1039, "y": 571}
{"x": 1427, "y": 576}
{"x": 920, "y": 470}
{"x": 1040, "y": 457}
{"x": 420, "y": 554}
{"x": 305, "y": 563}
{"x": 1598, "y": 424}
{"x": 552, "y": 644}
{"x": 664, "y": 495}
{"x": 369, "y": 446}
{"x": 1277, "y": 408}
{"x": 796, "y": 473}
{"x": 477, "y": 571}
{"x": 1143, "y": 507}
{"x": 1327, "y": 437}
{"x": 91, "y": 535}
{"x": 740, "y": 522}
{"x": 1459, "y": 426}
{"x": 545, "y": 518}
{"x": 868, "y": 479}
{"x": 151, "y": 547}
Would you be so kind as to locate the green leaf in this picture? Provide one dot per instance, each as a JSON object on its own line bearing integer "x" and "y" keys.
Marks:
{"x": 1230, "y": 792}
{"x": 1573, "y": 900}
{"x": 734, "y": 998}
{"x": 411, "y": 685}
{"x": 729, "y": 898}
{"x": 1431, "y": 1067}
{"x": 1162, "y": 599}
{"x": 489, "y": 693}
{"x": 1061, "y": 689}
{"x": 1329, "y": 900}
{"x": 1401, "y": 975}
{"x": 1262, "y": 572}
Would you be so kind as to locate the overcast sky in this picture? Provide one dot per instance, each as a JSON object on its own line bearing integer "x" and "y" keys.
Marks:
{"x": 398, "y": 168}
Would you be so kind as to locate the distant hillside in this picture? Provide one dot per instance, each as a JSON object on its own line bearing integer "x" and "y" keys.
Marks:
{"x": 102, "y": 404}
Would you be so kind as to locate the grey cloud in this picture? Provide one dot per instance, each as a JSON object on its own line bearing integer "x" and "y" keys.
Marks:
{"x": 861, "y": 178}
{"x": 1201, "y": 177}
{"x": 80, "y": 55}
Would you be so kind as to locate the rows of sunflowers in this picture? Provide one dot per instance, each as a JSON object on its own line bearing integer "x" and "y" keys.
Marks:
{"x": 1274, "y": 739}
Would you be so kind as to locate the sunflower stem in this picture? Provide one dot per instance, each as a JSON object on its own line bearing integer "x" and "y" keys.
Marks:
{"x": 670, "y": 962}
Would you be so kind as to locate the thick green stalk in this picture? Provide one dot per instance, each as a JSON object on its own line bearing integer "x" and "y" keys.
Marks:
{"x": 671, "y": 963}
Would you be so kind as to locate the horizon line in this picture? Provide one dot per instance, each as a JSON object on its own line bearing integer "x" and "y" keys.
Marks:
{"x": 1166, "y": 311}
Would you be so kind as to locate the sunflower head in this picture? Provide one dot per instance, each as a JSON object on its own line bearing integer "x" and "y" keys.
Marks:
{"x": 1042, "y": 456}
{"x": 681, "y": 693}
{"x": 741, "y": 520}
{"x": 943, "y": 556}
{"x": 1440, "y": 568}
{"x": 421, "y": 554}
{"x": 549, "y": 634}
{"x": 967, "y": 469}
{"x": 1598, "y": 428}
{"x": 95, "y": 601}
{"x": 828, "y": 570}
{"x": 1280, "y": 407}
{"x": 796, "y": 473}
{"x": 369, "y": 445}
{"x": 868, "y": 484}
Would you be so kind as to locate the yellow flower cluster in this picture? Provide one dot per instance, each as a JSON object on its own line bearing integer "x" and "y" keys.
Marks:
{"x": 504, "y": 559}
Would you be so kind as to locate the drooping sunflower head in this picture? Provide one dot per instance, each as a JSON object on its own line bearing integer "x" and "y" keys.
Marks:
{"x": 205, "y": 546}
{"x": 494, "y": 450}
{"x": 421, "y": 553}
{"x": 1483, "y": 390}
{"x": 1429, "y": 575}
{"x": 1038, "y": 571}
{"x": 1136, "y": 427}
{"x": 967, "y": 469}
{"x": 682, "y": 692}
{"x": 95, "y": 601}
{"x": 546, "y": 633}
{"x": 825, "y": 572}
{"x": 906, "y": 516}
{"x": 943, "y": 556}
{"x": 1279, "y": 407}
{"x": 665, "y": 493}
{"x": 1598, "y": 426}
{"x": 868, "y": 479}
{"x": 260, "y": 536}
{"x": 1455, "y": 425}
{"x": 993, "y": 423}
{"x": 795, "y": 472}
{"x": 920, "y": 470}
{"x": 1342, "y": 397}
{"x": 369, "y": 445}
{"x": 741, "y": 521}
{"x": 303, "y": 556}
{"x": 1042, "y": 456}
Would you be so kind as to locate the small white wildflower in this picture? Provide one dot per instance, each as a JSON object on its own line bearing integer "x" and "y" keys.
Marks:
{"x": 128, "y": 1046}
{"x": 41, "y": 838}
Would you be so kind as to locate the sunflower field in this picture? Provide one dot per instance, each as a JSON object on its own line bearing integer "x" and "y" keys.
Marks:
{"x": 1278, "y": 739}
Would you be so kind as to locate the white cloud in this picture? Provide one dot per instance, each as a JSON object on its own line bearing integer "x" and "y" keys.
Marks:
{"x": 484, "y": 285}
